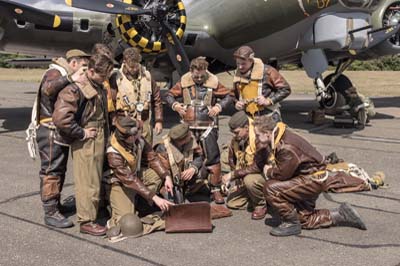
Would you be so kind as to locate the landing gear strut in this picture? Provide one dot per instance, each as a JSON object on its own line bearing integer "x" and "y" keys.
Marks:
{"x": 337, "y": 96}
{"x": 331, "y": 90}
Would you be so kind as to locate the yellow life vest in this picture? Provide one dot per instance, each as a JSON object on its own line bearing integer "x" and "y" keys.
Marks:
{"x": 249, "y": 92}
{"x": 243, "y": 158}
{"x": 110, "y": 103}
{"x": 128, "y": 156}
{"x": 279, "y": 130}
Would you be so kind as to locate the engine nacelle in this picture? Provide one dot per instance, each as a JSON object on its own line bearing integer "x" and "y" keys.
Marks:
{"x": 357, "y": 4}
{"x": 387, "y": 14}
{"x": 145, "y": 31}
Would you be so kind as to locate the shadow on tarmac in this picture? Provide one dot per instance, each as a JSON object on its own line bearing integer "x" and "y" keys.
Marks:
{"x": 366, "y": 246}
{"x": 329, "y": 198}
{"x": 109, "y": 248}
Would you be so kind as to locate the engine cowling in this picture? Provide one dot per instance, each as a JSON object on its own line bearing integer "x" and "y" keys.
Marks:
{"x": 387, "y": 14}
{"x": 145, "y": 31}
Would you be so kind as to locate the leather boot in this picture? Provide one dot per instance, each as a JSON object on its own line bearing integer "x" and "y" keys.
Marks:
{"x": 215, "y": 181}
{"x": 346, "y": 215}
{"x": 259, "y": 213}
{"x": 68, "y": 206}
{"x": 217, "y": 197}
{"x": 93, "y": 229}
{"x": 290, "y": 226}
{"x": 53, "y": 217}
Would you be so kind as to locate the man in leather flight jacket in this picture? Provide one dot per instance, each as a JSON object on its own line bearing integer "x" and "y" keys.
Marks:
{"x": 53, "y": 149}
{"x": 136, "y": 94}
{"x": 81, "y": 117}
{"x": 296, "y": 174}
{"x": 204, "y": 97}
{"x": 135, "y": 170}
{"x": 258, "y": 88}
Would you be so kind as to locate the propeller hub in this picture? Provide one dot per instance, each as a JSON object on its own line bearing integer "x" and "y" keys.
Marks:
{"x": 160, "y": 12}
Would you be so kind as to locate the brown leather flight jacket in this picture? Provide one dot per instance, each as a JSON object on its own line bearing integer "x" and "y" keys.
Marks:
{"x": 74, "y": 108}
{"x": 221, "y": 94}
{"x": 129, "y": 178}
{"x": 275, "y": 87}
{"x": 293, "y": 156}
{"x": 52, "y": 83}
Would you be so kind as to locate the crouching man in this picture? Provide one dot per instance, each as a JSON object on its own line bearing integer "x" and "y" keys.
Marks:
{"x": 136, "y": 170}
{"x": 297, "y": 174}
{"x": 249, "y": 182}
{"x": 183, "y": 156}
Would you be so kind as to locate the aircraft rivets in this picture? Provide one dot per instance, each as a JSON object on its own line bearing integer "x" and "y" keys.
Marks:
{"x": 18, "y": 11}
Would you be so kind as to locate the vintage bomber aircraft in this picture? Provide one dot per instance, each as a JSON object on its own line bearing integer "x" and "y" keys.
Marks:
{"x": 311, "y": 33}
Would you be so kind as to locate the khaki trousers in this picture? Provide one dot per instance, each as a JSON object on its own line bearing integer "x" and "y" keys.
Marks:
{"x": 249, "y": 192}
{"x": 88, "y": 157}
{"x": 122, "y": 199}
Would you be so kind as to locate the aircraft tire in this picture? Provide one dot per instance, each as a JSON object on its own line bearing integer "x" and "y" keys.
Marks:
{"x": 338, "y": 91}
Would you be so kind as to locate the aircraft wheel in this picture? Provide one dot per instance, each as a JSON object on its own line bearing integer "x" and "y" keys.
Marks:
{"x": 337, "y": 93}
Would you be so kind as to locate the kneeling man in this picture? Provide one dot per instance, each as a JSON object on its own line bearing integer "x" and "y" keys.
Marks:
{"x": 297, "y": 174}
{"x": 136, "y": 170}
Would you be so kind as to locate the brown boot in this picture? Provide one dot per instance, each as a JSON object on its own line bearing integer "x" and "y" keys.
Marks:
{"x": 215, "y": 182}
{"x": 259, "y": 213}
{"x": 93, "y": 229}
{"x": 217, "y": 197}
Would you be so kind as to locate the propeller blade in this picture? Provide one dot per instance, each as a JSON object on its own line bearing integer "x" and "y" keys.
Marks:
{"x": 109, "y": 6}
{"x": 176, "y": 52}
{"x": 30, "y": 14}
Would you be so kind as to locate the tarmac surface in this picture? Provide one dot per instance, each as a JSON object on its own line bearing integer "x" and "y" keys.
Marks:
{"x": 236, "y": 240}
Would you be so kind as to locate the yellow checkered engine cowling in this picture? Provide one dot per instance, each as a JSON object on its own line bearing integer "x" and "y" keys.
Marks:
{"x": 132, "y": 35}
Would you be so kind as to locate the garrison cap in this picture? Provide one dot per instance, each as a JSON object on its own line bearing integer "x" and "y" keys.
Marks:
{"x": 76, "y": 53}
{"x": 126, "y": 125}
{"x": 178, "y": 132}
{"x": 239, "y": 119}
{"x": 244, "y": 52}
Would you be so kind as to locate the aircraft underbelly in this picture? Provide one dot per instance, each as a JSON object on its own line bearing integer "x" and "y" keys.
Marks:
{"x": 231, "y": 22}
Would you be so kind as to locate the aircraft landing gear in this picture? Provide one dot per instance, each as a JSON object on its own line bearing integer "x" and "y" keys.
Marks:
{"x": 338, "y": 97}
{"x": 331, "y": 90}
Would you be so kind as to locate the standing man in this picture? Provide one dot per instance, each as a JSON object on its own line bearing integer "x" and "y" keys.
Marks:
{"x": 136, "y": 170}
{"x": 183, "y": 157}
{"x": 53, "y": 149}
{"x": 100, "y": 48}
{"x": 137, "y": 94}
{"x": 297, "y": 174}
{"x": 204, "y": 97}
{"x": 81, "y": 116}
{"x": 248, "y": 188}
{"x": 258, "y": 88}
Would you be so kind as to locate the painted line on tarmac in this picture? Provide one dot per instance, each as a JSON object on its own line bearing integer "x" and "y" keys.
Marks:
{"x": 373, "y": 139}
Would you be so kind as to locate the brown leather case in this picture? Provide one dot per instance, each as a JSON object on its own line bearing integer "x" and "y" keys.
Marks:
{"x": 189, "y": 218}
